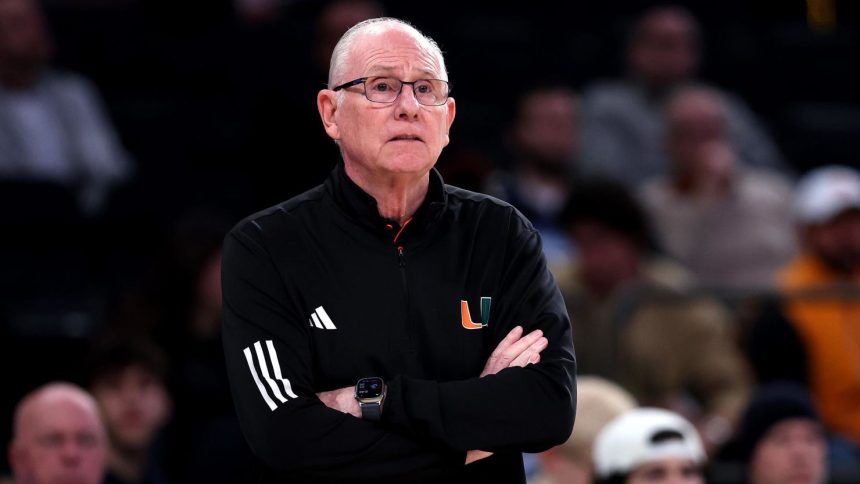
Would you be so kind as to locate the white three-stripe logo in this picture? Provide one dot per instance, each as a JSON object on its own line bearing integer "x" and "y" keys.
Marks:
{"x": 319, "y": 319}
{"x": 264, "y": 370}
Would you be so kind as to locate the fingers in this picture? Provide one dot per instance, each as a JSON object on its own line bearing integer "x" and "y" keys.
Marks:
{"x": 475, "y": 455}
{"x": 530, "y": 355}
{"x": 516, "y": 350}
{"x": 492, "y": 365}
{"x": 512, "y": 337}
{"x": 520, "y": 346}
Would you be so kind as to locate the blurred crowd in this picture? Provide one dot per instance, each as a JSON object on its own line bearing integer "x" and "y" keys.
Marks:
{"x": 690, "y": 168}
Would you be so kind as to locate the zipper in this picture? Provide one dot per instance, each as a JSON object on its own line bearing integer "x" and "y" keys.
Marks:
{"x": 401, "y": 263}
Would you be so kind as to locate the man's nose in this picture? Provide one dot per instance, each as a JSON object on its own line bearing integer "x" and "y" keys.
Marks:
{"x": 71, "y": 453}
{"x": 407, "y": 105}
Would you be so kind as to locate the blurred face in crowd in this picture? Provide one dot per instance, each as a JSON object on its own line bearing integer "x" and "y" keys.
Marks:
{"x": 135, "y": 406}
{"x": 562, "y": 466}
{"x": 548, "y": 125}
{"x": 837, "y": 241}
{"x": 58, "y": 439}
{"x": 664, "y": 50}
{"x": 792, "y": 452}
{"x": 335, "y": 19}
{"x": 607, "y": 258}
{"x": 24, "y": 40}
{"x": 694, "y": 121}
{"x": 403, "y": 137}
{"x": 667, "y": 471}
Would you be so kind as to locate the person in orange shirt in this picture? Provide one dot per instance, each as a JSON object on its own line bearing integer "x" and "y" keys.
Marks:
{"x": 820, "y": 292}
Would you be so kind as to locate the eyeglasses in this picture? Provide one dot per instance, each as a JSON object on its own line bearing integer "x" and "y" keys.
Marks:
{"x": 429, "y": 92}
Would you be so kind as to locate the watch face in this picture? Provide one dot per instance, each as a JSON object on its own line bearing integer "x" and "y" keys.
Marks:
{"x": 369, "y": 388}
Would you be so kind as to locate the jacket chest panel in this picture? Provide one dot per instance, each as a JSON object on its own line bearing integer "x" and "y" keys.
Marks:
{"x": 392, "y": 316}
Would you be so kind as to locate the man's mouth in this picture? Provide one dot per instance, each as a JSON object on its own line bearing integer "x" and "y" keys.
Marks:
{"x": 406, "y": 137}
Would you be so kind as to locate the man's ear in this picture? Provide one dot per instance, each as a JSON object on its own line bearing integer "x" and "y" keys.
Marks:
{"x": 16, "y": 456}
{"x": 451, "y": 107}
{"x": 327, "y": 106}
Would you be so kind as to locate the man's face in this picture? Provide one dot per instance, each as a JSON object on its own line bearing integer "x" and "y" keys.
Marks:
{"x": 694, "y": 121}
{"x": 667, "y": 471}
{"x": 403, "y": 137}
{"x": 607, "y": 258}
{"x": 837, "y": 241}
{"x": 59, "y": 442}
{"x": 23, "y": 37}
{"x": 548, "y": 125}
{"x": 666, "y": 51}
{"x": 135, "y": 406}
{"x": 792, "y": 452}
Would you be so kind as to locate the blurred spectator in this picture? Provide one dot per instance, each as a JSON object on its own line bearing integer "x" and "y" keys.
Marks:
{"x": 128, "y": 380}
{"x": 58, "y": 437}
{"x": 643, "y": 323}
{"x": 623, "y": 120}
{"x": 52, "y": 125}
{"x": 814, "y": 332}
{"x": 649, "y": 445}
{"x": 180, "y": 308}
{"x": 208, "y": 445}
{"x": 335, "y": 19}
{"x": 780, "y": 439}
{"x": 545, "y": 145}
{"x": 598, "y": 401}
{"x": 283, "y": 66}
{"x": 728, "y": 223}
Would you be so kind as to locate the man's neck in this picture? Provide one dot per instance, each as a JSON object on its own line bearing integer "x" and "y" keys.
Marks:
{"x": 397, "y": 195}
{"x": 19, "y": 79}
{"x": 129, "y": 465}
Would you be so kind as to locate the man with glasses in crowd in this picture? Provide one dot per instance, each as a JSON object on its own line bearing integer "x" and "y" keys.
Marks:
{"x": 385, "y": 326}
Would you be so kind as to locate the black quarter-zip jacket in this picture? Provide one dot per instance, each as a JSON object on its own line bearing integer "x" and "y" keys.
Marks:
{"x": 320, "y": 291}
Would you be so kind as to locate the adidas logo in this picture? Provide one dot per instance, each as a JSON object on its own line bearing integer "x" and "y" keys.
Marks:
{"x": 319, "y": 319}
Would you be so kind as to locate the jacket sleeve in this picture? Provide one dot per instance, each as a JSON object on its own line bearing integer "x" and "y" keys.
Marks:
{"x": 268, "y": 358}
{"x": 526, "y": 409}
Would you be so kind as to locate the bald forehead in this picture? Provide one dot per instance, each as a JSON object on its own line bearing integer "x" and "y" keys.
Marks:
{"x": 49, "y": 400}
{"x": 380, "y": 49}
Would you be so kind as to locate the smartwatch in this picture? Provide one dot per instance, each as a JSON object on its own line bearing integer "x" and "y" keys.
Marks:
{"x": 370, "y": 392}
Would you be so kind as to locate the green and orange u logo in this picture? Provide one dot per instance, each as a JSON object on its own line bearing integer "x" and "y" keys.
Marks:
{"x": 466, "y": 316}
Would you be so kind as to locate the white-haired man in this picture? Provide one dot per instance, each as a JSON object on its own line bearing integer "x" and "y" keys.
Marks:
{"x": 385, "y": 326}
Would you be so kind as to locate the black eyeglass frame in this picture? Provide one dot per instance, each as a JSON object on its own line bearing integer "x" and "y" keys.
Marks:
{"x": 363, "y": 80}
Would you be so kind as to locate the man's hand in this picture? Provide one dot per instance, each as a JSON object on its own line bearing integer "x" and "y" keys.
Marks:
{"x": 474, "y": 455}
{"x": 342, "y": 400}
{"x": 516, "y": 350}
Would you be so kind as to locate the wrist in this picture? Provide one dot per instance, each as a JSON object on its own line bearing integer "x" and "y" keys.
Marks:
{"x": 370, "y": 395}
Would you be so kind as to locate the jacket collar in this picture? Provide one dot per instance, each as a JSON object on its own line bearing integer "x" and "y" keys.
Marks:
{"x": 362, "y": 207}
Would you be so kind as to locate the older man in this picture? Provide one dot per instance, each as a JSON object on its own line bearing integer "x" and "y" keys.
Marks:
{"x": 384, "y": 325}
{"x": 58, "y": 437}
{"x": 623, "y": 121}
{"x": 728, "y": 222}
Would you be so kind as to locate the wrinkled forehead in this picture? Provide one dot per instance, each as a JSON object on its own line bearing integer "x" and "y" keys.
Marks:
{"x": 390, "y": 49}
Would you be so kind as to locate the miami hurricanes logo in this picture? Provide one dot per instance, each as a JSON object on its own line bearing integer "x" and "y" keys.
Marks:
{"x": 466, "y": 316}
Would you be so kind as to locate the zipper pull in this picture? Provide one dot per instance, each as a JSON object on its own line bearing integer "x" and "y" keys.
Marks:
{"x": 401, "y": 259}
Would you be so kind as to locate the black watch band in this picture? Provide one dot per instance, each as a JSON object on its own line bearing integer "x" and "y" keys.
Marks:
{"x": 370, "y": 393}
{"x": 371, "y": 411}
